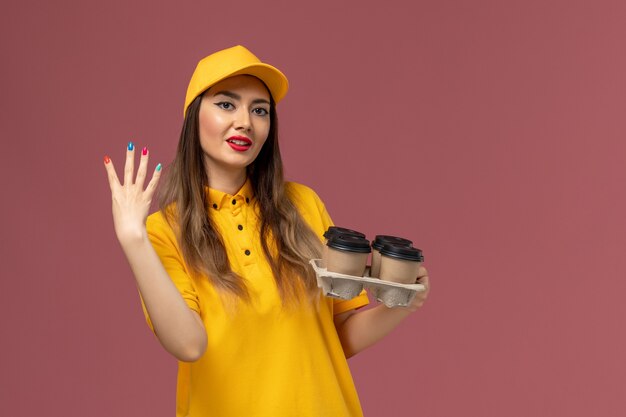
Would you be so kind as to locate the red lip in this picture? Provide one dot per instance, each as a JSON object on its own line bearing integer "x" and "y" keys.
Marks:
{"x": 241, "y": 138}
{"x": 239, "y": 148}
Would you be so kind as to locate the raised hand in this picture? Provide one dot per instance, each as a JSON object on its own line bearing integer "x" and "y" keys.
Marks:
{"x": 131, "y": 203}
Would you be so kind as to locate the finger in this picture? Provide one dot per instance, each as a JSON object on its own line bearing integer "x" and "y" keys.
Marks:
{"x": 111, "y": 174}
{"x": 130, "y": 164}
{"x": 143, "y": 166}
{"x": 418, "y": 301}
{"x": 153, "y": 182}
{"x": 424, "y": 281}
{"x": 421, "y": 272}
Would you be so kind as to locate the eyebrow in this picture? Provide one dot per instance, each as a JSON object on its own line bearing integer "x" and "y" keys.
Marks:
{"x": 238, "y": 97}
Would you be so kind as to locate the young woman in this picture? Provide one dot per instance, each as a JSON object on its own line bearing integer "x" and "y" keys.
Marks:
{"x": 222, "y": 269}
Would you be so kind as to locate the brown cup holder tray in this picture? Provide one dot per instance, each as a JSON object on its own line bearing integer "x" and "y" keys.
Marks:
{"x": 346, "y": 287}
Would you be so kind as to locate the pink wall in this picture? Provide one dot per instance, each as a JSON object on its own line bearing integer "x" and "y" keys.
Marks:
{"x": 490, "y": 132}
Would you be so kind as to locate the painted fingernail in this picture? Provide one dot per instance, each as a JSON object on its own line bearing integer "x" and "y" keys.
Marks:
{"x": 144, "y": 151}
{"x": 158, "y": 168}
{"x": 107, "y": 159}
{"x": 131, "y": 146}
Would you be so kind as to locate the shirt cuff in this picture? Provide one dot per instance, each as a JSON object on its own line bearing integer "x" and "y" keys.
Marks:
{"x": 345, "y": 305}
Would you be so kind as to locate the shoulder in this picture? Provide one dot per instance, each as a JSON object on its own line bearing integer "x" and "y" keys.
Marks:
{"x": 156, "y": 220}
{"x": 157, "y": 224}
{"x": 309, "y": 205}
{"x": 163, "y": 235}
{"x": 304, "y": 197}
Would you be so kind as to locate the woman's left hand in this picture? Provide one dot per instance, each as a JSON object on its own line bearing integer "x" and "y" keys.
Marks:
{"x": 420, "y": 296}
{"x": 358, "y": 330}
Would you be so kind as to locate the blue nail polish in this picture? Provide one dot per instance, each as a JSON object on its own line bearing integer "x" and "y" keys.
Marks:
{"x": 158, "y": 168}
{"x": 131, "y": 146}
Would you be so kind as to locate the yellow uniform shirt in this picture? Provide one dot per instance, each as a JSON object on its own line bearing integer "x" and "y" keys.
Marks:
{"x": 261, "y": 361}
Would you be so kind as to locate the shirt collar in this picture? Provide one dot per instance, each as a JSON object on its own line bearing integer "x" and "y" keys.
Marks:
{"x": 219, "y": 199}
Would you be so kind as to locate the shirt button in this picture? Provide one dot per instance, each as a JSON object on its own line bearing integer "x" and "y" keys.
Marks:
{"x": 247, "y": 252}
{"x": 240, "y": 227}
{"x": 215, "y": 206}
{"x": 234, "y": 201}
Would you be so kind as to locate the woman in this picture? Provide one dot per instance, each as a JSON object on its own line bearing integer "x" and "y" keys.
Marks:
{"x": 222, "y": 269}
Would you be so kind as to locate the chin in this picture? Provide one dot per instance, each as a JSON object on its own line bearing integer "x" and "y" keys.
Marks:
{"x": 239, "y": 163}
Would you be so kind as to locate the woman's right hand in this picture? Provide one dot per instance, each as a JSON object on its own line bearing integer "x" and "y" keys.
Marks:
{"x": 179, "y": 329}
{"x": 131, "y": 203}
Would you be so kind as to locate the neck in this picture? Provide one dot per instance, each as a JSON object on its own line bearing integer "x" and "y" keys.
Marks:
{"x": 228, "y": 181}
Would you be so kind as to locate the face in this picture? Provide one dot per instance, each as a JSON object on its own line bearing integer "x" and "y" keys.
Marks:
{"x": 234, "y": 122}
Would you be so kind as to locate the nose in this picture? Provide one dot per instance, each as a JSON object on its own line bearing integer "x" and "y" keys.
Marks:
{"x": 242, "y": 119}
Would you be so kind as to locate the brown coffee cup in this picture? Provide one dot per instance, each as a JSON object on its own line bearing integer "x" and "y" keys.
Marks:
{"x": 378, "y": 243}
{"x": 347, "y": 255}
{"x": 400, "y": 264}
{"x": 335, "y": 231}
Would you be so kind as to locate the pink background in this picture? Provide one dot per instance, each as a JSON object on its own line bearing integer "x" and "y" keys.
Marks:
{"x": 489, "y": 132}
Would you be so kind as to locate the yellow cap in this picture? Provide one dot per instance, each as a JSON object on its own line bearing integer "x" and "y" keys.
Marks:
{"x": 230, "y": 62}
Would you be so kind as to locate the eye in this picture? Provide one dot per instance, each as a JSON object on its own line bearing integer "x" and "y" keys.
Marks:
{"x": 260, "y": 111}
{"x": 225, "y": 105}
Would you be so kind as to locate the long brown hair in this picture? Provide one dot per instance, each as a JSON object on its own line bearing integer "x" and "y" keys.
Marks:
{"x": 288, "y": 242}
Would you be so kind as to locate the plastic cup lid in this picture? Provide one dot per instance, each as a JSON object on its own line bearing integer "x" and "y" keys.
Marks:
{"x": 381, "y": 240}
{"x": 402, "y": 252}
{"x": 349, "y": 243}
{"x": 335, "y": 230}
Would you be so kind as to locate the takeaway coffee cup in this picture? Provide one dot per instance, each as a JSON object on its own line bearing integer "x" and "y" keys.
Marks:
{"x": 378, "y": 243}
{"x": 347, "y": 254}
{"x": 400, "y": 264}
{"x": 335, "y": 231}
